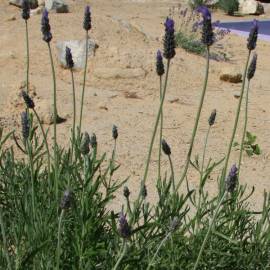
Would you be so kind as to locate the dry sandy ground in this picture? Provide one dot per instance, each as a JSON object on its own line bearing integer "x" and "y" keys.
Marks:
{"x": 129, "y": 34}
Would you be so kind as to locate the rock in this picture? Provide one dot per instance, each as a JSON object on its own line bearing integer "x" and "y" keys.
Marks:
{"x": 11, "y": 18}
{"x": 37, "y": 11}
{"x": 18, "y": 3}
{"x": 250, "y": 7}
{"x": 78, "y": 51}
{"x": 230, "y": 74}
{"x": 59, "y": 6}
{"x": 41, "y": 3}
{"x": 119, "y": 73}
{"x": 237, "y": 94}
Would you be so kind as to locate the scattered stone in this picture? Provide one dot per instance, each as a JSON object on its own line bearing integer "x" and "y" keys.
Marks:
{"x": 250, "y": 7}
{"x": 172, "y": 99}
{"x": 11, "y": 18}
{"x": 119, "y": 73}
{"x": 103, "y": 106}
{"x": 230, "y": 74}
{"x": 128, "y": 94}
{"x": 59, "y": 6}
{"x": 78, "y": 51}
{"x": 237, "y": 94}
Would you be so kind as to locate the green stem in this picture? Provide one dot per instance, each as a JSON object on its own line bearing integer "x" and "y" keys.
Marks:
{"x": 161, "y": 128}
{"x": 84, "y": 80}
{"x": 156, "y": 125}
{"x": 124, "y": 250}
{"x": 157, "y": 251}
{"x": 59, "y": 240}
{"x": 74, "y": 113}
{"x": 172, "y": 172}
{"x": 3, "y": 232}
{"x": 54, "y": 124}
{"x": 208, "y": 231}
{"x": 245, "y": 130}
{"x": 196, "y": 122}
{"x": 27, "y": 56}
{"x": 30, "y": 158}
{"x": 45, "y": 141}
{"x": 235, "y": 123}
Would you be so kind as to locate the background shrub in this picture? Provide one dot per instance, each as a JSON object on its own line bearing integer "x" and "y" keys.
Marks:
{"x": 229, "y": 6}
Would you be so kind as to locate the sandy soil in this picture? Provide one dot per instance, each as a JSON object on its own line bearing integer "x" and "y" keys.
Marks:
{"x": 128, "y": 34}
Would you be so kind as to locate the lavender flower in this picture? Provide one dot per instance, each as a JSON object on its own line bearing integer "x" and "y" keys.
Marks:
{"x": 124, "y": 228}
{"x": 28, "y": 100}
{"x": 159, "y": 64}
{"x": 66, "y": 200}
{"x": 169, "y": 39}
{"x": 87, "y": 19}
{"x": 232, "y": 179}
{"x": 207, "y": 28}
{"x": 25, "y": 10}
{"x": 253, "y": 35}
{"x": 165, "y": 147}
{"x": 114, "y": 132}
{"x": 126, "y": 192}
{"x": 84, "y": 148}
{"x": 93, "y": 140}
{"x": 212, "y": 117}
{"x": 25, "y": 125}
{"x": 45, "y": 27}
{"x": 252, "y": 67}
{"x": 69, "y": 59}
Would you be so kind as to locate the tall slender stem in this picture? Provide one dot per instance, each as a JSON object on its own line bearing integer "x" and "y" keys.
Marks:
{"x": 156, "y": 124}
{"x": 84, "y": 80}
{"x": 3, "y": 233}
{"x": 235, "y": 123}
{"x": 45, "y": 141}
{"x": 54, "y": 123}
{"x": 196, "y": 122}
{"x": 172, "y": 172}
{"x": 59, "y": 240}
{"x": 124, "y": 250}
{"x": 161, "y": 128}
{"x": 245, "y": 130}
{"x": 74, "y": 113}
{"x": 27, "y": 56}
{"x": 209, "y": 230}
{"x": 157, "y": 251}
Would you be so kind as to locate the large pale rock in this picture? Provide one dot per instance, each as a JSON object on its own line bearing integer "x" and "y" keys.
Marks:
{"x": 59, "y": 6}
{"x": 250, "y": 7}
{"x": 119, "y": 73}
{"x": 230, "y": 74}
{"x": 78, "y": 51}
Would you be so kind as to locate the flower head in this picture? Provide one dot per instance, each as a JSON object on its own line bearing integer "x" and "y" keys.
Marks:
{"x": 169, "y": 39}
{"x": 232, "y": 179}
{"x": 205, "y": 12}
{"x": 25, "y": 10}
{"x": 66, "y": 200}
{"x": 126, "y": 192}
{"x": 124, "y": 228}
{"x": 252, "y": 67}
{"x": 45, "y": 27}
{"x": 84, "y": 148}
{"x": 212, "y": 117}
{"x": 165, "y": 147}
{"x": 28, "y": 100}
{"x": 159, "y": 64}
{"x": 114, "y": 132}
{"x": 253, "y": 36}
{"x": 25, "y": 125}
{"x": 69, "y": 59}
{"x": 93, "y": 140}
{"x": 87, "y": 19}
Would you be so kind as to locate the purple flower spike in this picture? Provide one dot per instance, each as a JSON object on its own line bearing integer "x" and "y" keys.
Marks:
{"x": 252, "y": 67}
{"x": 232, "y": 179}
{"x": 124, "y": 228}
{"x": 169, "y": 39}
{"x": 87, "y": 23}
{"x": 253, "y": 35}
{"x": 45, "y": 27}
{"x": 159, "y": 64}
{"x": 205, "y": 12}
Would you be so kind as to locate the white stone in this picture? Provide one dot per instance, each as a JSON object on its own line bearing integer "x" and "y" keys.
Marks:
{"x": 250, "y": 7}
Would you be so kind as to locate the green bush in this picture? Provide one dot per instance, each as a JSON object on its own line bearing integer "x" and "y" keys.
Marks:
{"x": 229, "y": 6}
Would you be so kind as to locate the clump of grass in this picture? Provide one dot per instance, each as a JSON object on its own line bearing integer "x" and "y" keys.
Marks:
{"x": 221, "y": 232}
